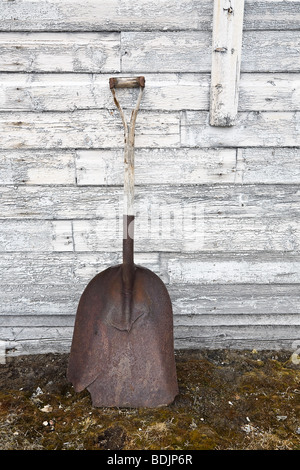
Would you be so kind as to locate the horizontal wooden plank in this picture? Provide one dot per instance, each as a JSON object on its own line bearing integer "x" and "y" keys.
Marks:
{"x": 166, "y": 52}
{"x": 44, "y": 236}
{"x": 164, "y": 91}
{"x": 270, "y": 14}
{"x": 62, "y": 345}
{"x": 178, "y": 166}
{"x": 60, "y": 52}
{"x": 268, "y": 165}
{"x": 38, "y": 299}
{"x": 235, "y": 268}
{"x": 272, "y": 338}
{"x": 262, "y": 51}
{"x": 35, "y": 168}
{"x": 56, "y": 345}
{"x": 112, "y": 15}
{"x": 270, "y": 51}
{"x": 243, "y": 337}
{"x": 269, "y": 92}
{"x": 35, "y": 333}
{"x": 51, "y": 92}
{"x": 88, "y": 129}
{"x": 252, "y": 299}
{"x": 116, "y": 15}
{"x": 265, "y": 129}
{"x": 85, "y": 129}
{"x": 212, "y": 320}
{"x": 64, "y": 92}
{"x": 106, "y": 203}
{"x": 189, "y": 51}
{"x": 61, "y": 202}
{"x": 259, "y": 332}
{"x": 205, "y": 268}
{"x": 180, "y": 321}
{"x": 191, "y": 232}
{"x": 154, "y": 233}
{"x": 192, "y": 166}
{"x": 64, "y": 268}
{"x": 194, "y": 299}
{"x": 36, "y": 321}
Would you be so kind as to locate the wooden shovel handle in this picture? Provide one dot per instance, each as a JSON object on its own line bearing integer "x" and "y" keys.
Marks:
{"x": 127, "y": 82}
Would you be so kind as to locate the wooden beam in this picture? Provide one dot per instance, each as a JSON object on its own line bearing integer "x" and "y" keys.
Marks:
{"x": 226, "y": 60}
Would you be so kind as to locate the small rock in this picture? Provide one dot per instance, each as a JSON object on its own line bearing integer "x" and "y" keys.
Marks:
{"x": 45, "y": 423}
{"x": 47, "y": 409}
{"x": 38, "y": 392}
{"x": 298, "y": 431}
{"x": 281, "y": 418}
{"x": 193, "y": 425}
{"x": 248, "y": 428}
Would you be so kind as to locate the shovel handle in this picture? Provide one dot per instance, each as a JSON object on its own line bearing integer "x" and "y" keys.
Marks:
{"x": 129, "y": 129}
{"x": 127, "y": 82}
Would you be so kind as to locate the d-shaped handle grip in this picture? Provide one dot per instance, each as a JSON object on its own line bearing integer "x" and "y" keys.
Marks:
{"x": 127, "y": 82}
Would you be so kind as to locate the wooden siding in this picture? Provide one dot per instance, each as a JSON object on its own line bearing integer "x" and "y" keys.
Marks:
{"x": 151, "y": 51}
{"x": 165, "y": 92}
{"x": 119, "y": 15}
{"x": 233, "y": 270}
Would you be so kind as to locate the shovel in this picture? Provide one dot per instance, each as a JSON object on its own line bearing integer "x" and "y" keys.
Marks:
{"x": 122, "y": 349}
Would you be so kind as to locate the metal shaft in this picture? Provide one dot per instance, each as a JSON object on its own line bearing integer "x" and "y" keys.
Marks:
{"x": 128, "y": 265}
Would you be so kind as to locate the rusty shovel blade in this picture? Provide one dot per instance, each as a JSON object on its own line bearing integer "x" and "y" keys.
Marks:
{"x": 124, "y": 363}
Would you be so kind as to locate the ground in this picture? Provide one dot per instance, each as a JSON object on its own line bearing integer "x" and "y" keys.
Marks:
{"x": 231, "y": 400}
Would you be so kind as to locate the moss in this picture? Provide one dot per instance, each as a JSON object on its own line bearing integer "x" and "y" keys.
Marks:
{"x": 227, "y": 400}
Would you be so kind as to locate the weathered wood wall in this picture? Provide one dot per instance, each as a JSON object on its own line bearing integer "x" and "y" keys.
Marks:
{"x": 234, "y": 273}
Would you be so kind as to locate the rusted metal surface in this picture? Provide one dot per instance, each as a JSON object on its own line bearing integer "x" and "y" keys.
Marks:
{"x": 123, "y": 347}
{"x": 124, "y": 363}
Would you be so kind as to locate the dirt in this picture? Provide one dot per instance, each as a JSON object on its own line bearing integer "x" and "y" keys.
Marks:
{"x": 228, "y": 400}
